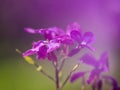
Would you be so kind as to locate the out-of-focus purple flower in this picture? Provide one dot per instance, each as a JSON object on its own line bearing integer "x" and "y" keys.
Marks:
{"x": 100, "y": 65}
{"x": 112, "y": 81}
{"x": 77, "y": 75}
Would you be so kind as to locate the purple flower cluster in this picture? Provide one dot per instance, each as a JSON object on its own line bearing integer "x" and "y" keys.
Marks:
{"x": 57, "y": 39}
{"x": 67, "y": 43}
{"x": 95, "y": 75}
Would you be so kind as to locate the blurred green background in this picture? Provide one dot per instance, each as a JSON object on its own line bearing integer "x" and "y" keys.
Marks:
{"x": 102, "y": 17}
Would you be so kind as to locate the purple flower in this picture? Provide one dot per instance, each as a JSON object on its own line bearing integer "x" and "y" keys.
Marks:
{"x": 83, "y": 41}
{"x": 56, "y": 38}
{"x": 102, "y": 63}
{"x": 99, "y": 66}
{"x": 43, "y": 49}
{"x": 112, "y": 81}
{"x": 48, "y": 33}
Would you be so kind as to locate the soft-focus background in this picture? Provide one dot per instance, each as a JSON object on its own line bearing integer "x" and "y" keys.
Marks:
{"x": 102, "y": 17}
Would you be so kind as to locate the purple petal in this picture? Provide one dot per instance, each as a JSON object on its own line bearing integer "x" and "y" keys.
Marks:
{"x": 57, "y": 31}
{"x": 52, "y": 56}
{"x": 42, "y": 53}
{"x": 53, "y": 45}
{"x": 76, "y": 35}
{"x": 111, "y": 80}
{"x": 37, "y": 44}
{"x": 93, "y": 74}
{"x": 65, "y": 39}
{"x": 73, "y": 52}
{"x": 28, "y": 52}
{"x": 89, "y": 60}
{"x": 30, "y": 30}
{"x": 88, "y": 38}
{"x": 103, "y": 62}
{"x": 51, "y": 33}
{"x": 76, "y": 76}
{"x": 73, "y": 26}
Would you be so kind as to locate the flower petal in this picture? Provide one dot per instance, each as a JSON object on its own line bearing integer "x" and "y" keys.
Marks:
{"x": 103, "y": 62}
{"x": 76, "y": 35}
{"x": 93, "y": 74}
{"x": 42, "y": 53}
{"x": 30, "y": 30}
{"x": 73, "y": 52}
{"x": 52, "y": 56}
{"x": 65, "y": 39}
{"x": 73, "y": 26}
{"x": 53, "y": 45}
{"x": 28, "y": 52}
{"x": 112, "y": 81}
{"x": 89, "y": 60}
{"x": 88, "y": 38}
{"x": 76, "y": 76}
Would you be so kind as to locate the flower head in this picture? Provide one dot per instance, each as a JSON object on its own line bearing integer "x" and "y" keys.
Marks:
{"x": 56, "y": 38}
{"x": 99, "y": 66}
{"x": 82, "y": 41}
{"x": 43, "y": 49}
